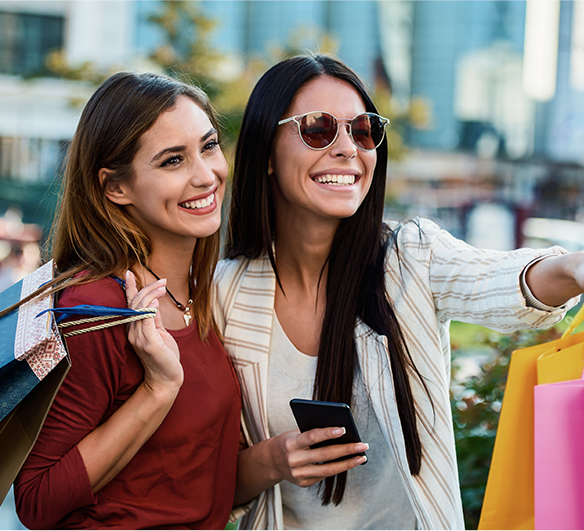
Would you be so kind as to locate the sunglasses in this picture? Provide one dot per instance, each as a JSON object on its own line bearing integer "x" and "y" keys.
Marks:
{"x": 318, "y": 129}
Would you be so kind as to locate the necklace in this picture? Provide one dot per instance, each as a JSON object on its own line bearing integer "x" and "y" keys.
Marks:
{"x": 186, "y": 309}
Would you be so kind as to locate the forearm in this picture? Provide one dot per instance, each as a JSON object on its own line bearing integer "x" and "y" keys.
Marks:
{"x": 109, "y": 448}
{"x": 255, "y": 472}
{"x": 556, "y": 279}
{"x": 291, "y": 456}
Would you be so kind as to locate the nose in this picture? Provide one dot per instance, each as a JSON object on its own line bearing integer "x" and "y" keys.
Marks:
{"x": 343, "y": 146}
{"x": 206, "y": 173}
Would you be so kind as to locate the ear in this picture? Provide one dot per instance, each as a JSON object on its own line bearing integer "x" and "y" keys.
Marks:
{"x": 115, "y": 191}
{"x": 270, "y": 167}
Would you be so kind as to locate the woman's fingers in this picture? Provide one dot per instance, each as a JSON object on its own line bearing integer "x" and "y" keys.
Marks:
{"x": 155, "y": 347}
{"x": 312, "y": 473}
{"x": 335, "y": 451}
{"x": 131, "y": 288}
{"x": 318, "y": 435}
{"x": 305, "y": 466}
{"x": 144, "y": 297}
{"x": 298, "y": 444}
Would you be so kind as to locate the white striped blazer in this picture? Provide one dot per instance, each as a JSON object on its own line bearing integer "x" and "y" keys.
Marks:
{"x": 432, "y": 279}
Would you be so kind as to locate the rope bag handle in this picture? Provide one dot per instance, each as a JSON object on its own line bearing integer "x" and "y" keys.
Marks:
{"x": 111, "y": 316}
{"x": 148, "y": 314}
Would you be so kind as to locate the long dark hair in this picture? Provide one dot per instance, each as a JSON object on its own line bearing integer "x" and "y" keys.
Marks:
{"x": 355, "y": 282}
{"x": 92, "y": 234}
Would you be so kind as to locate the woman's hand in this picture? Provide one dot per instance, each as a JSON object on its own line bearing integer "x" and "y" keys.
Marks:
{"x": 289, "y": 457}
{"x": 155, "y": 347}
{"x": 296, "y": 462}
{"x": 110, "y": 447}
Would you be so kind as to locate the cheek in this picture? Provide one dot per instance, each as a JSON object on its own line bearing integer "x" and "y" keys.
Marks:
{"x": 370, "y": 167}
{"x": 223, "y": 170}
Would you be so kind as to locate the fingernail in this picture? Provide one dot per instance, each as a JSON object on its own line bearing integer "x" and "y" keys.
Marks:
{"x": 339, "y": 431}
{"x": 361, "y": 447}
{"x": 362, "y": 460}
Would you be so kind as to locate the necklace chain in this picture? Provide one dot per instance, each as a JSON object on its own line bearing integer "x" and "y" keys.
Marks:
{"x": 184, "y": 308}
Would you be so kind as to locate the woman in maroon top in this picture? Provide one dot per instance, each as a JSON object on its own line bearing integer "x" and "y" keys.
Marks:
{"x": 142, "y": 437}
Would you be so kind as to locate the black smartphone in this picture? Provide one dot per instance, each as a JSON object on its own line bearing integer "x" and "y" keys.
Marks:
{"x": 311, "y": 414}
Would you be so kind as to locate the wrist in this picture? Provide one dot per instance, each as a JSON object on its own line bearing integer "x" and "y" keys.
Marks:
{"x": 162, "y": 393}
{"x": 553, "y": 280}
{"x": 272, "y": 456}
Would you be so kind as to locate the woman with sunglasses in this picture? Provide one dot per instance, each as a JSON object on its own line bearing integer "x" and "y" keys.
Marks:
{"x": 318, "y": 298}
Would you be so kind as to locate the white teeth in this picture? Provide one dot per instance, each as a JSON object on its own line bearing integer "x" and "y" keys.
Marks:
{"x": 201, "y": 203}
{"x": 338, "y": 180}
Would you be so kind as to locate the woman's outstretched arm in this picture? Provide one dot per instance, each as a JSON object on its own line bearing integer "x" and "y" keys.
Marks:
{"x": 556, "y": 279}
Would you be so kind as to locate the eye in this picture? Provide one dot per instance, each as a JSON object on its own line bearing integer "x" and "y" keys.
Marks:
{"x": 173, "y": 160}
{"x": 212, "y": 144}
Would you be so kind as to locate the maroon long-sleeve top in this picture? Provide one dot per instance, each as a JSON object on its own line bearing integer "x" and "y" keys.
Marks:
{"x": 183, "y": 476}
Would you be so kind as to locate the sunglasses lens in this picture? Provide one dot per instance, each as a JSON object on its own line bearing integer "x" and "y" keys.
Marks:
{"x": 318, "y": 129}
{"x": 367, "y": 130}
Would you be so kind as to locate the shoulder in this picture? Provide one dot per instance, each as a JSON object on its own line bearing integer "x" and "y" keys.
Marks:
{"x": 227, "y": 281}
{"x": 229, "y": 275}
{"x": 416, "y": 237}
{"x": 414, "y": 230}
{"x": 104, "y": 292}
{"x": 228, "y": 269}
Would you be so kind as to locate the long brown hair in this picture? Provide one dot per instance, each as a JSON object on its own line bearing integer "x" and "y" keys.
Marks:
{"x": 355, "y": 281}
{"x": 92, "y": 234}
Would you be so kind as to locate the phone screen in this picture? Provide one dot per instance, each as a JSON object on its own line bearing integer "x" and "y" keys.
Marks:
{"x": 311, "y": 414}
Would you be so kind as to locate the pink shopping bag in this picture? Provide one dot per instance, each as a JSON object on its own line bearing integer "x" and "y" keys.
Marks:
{"x": 559, "y": 455}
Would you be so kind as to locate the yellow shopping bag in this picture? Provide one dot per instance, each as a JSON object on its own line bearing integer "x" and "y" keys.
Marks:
{"x": 508, "y": 501}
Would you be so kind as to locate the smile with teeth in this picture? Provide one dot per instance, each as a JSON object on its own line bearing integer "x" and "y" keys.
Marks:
{"x": 337, "y": 180}
{"x": 200, "y": 203}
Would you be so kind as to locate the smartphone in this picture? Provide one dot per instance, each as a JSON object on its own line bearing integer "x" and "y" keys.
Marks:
{"x": 311, "y": 414}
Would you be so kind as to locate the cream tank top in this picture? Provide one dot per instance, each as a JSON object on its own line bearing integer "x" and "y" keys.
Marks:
{"x": 374, "y": 496}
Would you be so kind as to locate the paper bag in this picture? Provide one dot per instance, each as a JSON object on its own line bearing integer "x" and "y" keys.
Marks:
{"x": 33, "y": 363}
{"x": 559, "y": 460}
{"x": 509, "y": 496}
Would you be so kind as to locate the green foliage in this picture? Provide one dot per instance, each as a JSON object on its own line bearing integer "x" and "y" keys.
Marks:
{"x": 476, "y": 396}
{"x": 186, "y": 49}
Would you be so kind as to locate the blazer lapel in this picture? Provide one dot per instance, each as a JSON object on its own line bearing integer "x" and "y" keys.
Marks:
{"x": 247, "y": 338}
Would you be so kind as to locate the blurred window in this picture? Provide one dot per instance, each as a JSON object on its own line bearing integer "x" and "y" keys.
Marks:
{"x": 31, "y": 159}
{"x": 26, "y": 41}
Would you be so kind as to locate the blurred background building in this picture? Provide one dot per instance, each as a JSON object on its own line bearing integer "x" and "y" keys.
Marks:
{"x": 505, "y": 104}
{"x": 486, "y": 100}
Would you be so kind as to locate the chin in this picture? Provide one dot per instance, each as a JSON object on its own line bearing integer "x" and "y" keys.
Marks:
{"x": 207, "y": 229}
{"x": 343, "y": 213}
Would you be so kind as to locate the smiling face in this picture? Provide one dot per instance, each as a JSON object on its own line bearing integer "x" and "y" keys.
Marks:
{"x": 179, "y": 177}
{"x": 329, "y": 184}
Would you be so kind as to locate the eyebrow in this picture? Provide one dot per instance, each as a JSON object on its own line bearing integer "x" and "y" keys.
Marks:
{"x": 175, "y": 149}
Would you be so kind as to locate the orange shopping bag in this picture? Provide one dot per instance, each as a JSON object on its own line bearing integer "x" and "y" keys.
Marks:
{"x": 509, "y": 496}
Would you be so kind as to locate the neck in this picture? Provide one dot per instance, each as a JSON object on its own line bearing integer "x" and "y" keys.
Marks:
{"x": 302, "y": 251}
{"x": 175, "y": 267}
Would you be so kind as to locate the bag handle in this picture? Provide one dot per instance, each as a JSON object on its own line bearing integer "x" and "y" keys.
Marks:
{"x": 117, "y": 316}
{"x": 576, "y": 321}
{"x": 148, "y": 313}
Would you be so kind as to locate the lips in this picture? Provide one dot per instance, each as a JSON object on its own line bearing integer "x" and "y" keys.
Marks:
{"x": 199, "y": 203}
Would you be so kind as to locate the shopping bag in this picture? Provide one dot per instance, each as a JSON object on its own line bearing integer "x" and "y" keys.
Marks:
{"x": 509, "y": 495}
{"x": 559, "y": 460}
{"x": 34, "y": 363}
